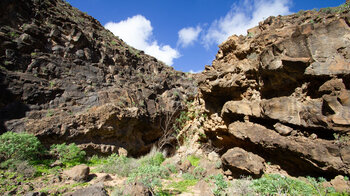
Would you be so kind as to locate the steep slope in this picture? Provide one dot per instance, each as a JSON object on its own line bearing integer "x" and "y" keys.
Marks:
{"x": 65, "y": 78}
{"x": 282, "y": 92}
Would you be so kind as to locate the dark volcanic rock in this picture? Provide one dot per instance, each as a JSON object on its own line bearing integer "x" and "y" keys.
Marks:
{"x": 65, "y": 78}
{"x": 283, "y": 93}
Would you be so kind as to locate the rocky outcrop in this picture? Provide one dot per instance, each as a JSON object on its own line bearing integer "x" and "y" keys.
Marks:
{"x": 282, "y": 92}
{"x": 65, "y": 78}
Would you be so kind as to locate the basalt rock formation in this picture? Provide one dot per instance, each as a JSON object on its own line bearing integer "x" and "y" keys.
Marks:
{"x": 65, "y": 78}
{"x": 283, "y": 93}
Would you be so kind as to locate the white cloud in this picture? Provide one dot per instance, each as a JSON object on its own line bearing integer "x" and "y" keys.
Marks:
{"x": 137, "y": 32}
{"x": 194, "y": 72}
{"x": 243, "y": 16}
{"x": 188, "y": 35}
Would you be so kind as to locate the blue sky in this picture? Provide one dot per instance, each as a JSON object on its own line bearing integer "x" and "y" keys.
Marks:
{"x": 186, "y": 33}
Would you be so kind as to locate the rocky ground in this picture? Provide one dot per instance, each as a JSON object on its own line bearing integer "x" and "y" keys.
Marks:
{"x": 274, "y": 106}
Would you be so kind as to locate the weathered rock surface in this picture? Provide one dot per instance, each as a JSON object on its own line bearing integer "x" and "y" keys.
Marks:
{"x": 136, "y": 189}
{"x": 283, "y": 92}
{"x": 78, "y": 173}
{"x": 340, "y": 184}
{"x": 241, "y": 162}
{"x": 94, "y": 190}
{"x": 65, "y": 78}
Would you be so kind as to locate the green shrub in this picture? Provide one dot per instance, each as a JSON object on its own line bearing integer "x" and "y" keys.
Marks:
{"x": 271, "y": 184}
{"x": 149, "y": 170}
{"x": 68, "y": 155}
{"x": 188, "y": 176}
{"x": 153, "y": 158}
{"x": 119, "y": 165}
{"x": 25, "y": 169}
{"x": 220, "y": 184}
{"x": 199, "y": 172}
{"x": 149, "y": 175}
{"x": 171, "y": 168}
{"x": 19, "y": 146}
{"x": 96, "y": 160}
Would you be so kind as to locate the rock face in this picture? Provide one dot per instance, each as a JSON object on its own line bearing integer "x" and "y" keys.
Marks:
{"x": 282, "y": 92}
{"x": 65, "y": 78}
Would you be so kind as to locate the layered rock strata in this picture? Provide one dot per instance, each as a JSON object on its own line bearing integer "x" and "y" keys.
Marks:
{"x": 65, "y": 78}
{"x": 283, "y": 92}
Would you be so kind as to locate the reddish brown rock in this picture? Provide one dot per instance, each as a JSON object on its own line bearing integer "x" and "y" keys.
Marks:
{"x": 78, "y": 173}
{"x": 340, "y": 184}
{"x": 283, "y": 93}
{"x": 241, "y": 162}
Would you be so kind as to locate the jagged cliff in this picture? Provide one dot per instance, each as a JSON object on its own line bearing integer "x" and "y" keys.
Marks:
{"x": 282, "y": 93}
{"x": 65, "y": 78}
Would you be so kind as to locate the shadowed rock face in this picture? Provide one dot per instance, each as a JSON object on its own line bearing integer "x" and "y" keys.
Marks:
{"x": 65, "y": 78}
{"x": 283, "y": 92}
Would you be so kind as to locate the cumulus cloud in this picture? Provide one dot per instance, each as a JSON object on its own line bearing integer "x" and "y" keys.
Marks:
{"x": 137, "y": 32}
{"x": 187, "y": 36}
{"x": 242, "y": 16}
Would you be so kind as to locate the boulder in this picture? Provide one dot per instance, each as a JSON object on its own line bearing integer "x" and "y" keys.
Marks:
{"x": 104, "y": 178}
{"x": 78, "y": 173}
{"x": 340, "y": 185}
{"x": 136, "y": 189}
{"x": 93, "y": 190}
{"x": 241, "y": 162}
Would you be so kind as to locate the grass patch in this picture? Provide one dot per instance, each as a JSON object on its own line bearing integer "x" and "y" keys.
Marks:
{"x": 183, "y": 185}
{"x": 275, "y": 184}
{"x": 194, "y": 160}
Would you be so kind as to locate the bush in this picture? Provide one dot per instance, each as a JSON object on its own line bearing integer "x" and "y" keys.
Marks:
{"x": 149, "y": 170}
{"x": 119, "y": 165}
{"x": 220, "y": 184}
{"x": 149, "y": 175}
{"x": 153, "y": 158}
{"x": 199, "y": 172}
{"x": 68, "y": 155}
{"x": 19, "y": 146}
{"x": 25, "y": 169}
{"x": 240, "y": 187}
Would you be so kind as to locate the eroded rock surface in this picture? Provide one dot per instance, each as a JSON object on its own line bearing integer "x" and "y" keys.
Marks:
{"x": 283, "y": 92}
{"x": 65, "y": 78}
{"x": 241, "y": 162}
